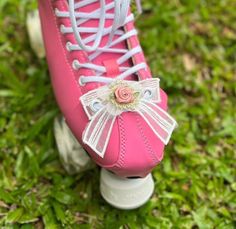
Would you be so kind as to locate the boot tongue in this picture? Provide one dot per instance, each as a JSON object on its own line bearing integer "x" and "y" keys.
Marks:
{"x": 105, "y": 59}
{"x": 112, "y": 68}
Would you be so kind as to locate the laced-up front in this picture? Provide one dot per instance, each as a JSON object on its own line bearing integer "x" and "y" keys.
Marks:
{"x": 112, "y": 105}
{"x": 115, "y": 32}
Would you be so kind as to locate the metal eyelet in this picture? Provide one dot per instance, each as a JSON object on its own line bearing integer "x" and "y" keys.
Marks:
{"x": 56, "y": 11}
{"x": 62, "y": 29}
{"x": 80, "y": 81}
{"x": 68, "y": 45}
{"x": 75, "y": 64}
{"x": 148, "y": 94}
{"x": 96, "y": 105}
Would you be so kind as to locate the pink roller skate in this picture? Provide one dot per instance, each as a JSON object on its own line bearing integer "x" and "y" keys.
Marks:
{"x": 107, "y": 95}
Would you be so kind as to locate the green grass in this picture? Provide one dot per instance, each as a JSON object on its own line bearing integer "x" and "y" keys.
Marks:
{"x": 191, "y": 45}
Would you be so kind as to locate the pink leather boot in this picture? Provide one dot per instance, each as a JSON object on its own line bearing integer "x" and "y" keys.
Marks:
{"x": 105, "y": 90}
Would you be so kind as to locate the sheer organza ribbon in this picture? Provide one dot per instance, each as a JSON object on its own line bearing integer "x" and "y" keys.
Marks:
{"x": 102, "y": 112}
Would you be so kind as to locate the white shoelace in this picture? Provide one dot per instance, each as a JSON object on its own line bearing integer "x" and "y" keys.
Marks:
{"x": 120, "y": 18}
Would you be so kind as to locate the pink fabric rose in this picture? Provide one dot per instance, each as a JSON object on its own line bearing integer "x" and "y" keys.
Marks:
{"x": 124, "y": 94}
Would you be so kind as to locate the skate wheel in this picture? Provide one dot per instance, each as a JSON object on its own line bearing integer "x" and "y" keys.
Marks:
{"x": 124, "y": 193}
{"x": 35, "y": 33}
{"x": 74, "y": 158}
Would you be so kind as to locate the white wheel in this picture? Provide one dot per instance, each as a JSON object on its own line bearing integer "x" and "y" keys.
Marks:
{"x": 74, "y": 158}
{"x": 124, "y": 193}
{"x": 35, "y": 33}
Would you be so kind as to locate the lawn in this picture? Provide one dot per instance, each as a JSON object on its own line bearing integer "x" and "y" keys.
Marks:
{"x": 191, "y": 46}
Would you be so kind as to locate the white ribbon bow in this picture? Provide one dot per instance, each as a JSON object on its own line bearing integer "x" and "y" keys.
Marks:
{"x": 104, "y": 104}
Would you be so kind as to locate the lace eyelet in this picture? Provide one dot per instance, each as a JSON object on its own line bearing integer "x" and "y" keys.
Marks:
{"x": 68, "y": 45}
{"x": 80, "y": 81}
{"x": 75, "y": 64}
{"x": 62, "y": 29}
{"x": 96, "y": 105}
{"x": 148, "y": 94}
{"x": 56, "y": 11}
